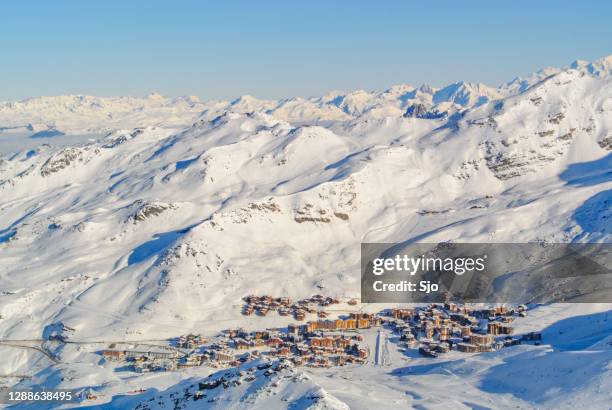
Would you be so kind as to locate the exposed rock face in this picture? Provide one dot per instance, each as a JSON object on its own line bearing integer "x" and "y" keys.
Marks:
{"x": 341, "y": 215}
{"x": 416, "y": 110}
{"x": 269, "y": 206}
{"x": 115, "y": 139}
{"x": 145, "y": 210}
{"x": 420, "y": 111}
{"x": 301, "y": 219}
{"x": 556, "y": 118}
{"x": 606, "y": 142}
{"x": 518, "y": 156}
{"x": 308, "y": 213}
{"x": 506, "y": 165}
{"x": 66, "y": 157}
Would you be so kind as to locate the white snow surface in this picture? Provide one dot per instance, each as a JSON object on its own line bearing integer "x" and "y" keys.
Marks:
{"x": 162, "y": 213}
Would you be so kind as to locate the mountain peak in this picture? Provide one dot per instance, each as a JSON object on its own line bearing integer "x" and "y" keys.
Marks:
{"x": 155, "y": 96}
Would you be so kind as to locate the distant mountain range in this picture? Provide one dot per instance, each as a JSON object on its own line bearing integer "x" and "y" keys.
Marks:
{"x": 86, "y": 114}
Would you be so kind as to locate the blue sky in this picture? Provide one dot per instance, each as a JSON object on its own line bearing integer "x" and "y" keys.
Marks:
{"x": 274, "y": 49}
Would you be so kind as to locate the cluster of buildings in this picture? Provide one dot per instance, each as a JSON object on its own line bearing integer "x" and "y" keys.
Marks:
{"x": 439, "y": 328}
{"x": 190, "y": 341}
{"x": 283, "y": 306}
{"x": 144, "y": 361}
{"x": 433, "y": 330}
{"x": 320, "y": 343}
{"x": 311, "y": 344}
{"x": 355, "y": 321}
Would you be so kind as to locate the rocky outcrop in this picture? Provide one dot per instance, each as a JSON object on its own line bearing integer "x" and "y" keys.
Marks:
{"x": 308, "y": 213}
{"x": 147, "y": 210}
{"x": 420, "y": 111}
{"x": 606, "y": 142}
{"x": 65, "y": 158}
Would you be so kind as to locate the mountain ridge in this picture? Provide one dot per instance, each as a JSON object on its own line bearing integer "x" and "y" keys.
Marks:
{"x": 113, "y": 113}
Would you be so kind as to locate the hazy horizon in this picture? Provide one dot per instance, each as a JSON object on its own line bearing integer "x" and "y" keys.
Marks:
{"x": 273, "y": 50}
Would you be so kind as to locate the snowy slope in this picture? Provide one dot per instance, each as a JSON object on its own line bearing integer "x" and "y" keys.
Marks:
{"x": 183, "y": 207}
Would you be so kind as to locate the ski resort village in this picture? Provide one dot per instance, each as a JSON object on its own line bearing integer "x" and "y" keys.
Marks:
{"x": 355, "y": 338}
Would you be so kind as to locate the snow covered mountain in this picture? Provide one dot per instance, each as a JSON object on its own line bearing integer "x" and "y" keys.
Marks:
{"x": 180, "y": 208}
{"x": 78, "y": 114}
